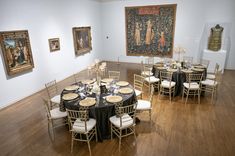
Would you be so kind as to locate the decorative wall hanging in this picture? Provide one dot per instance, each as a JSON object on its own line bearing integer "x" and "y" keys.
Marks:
{"x": 215, "y": 38}
{"x": 54, "y": 44}
{"x": 82, "y": 40}
{"x": 16, "y": 51}
{"x": 150, "y": 30}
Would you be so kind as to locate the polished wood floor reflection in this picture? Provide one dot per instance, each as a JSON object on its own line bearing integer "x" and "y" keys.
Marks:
{"x": 176, "y": 129}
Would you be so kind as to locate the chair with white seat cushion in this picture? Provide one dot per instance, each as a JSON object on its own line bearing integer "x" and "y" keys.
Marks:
{"x": 192, "y": 85}
{"x": 150, "y": 79}
{"x": 138, "y": 85}
{"x": 83, "y": 128}
{"x": 210, "y": 86}
{"x": 212, "y": 75}
{"x": 123, "y": 123}
{"x": 167, "y": 86}
{"x": 146, "y": 105}
{"x": 55, "y": 117}
{"x": 52, "y": 92}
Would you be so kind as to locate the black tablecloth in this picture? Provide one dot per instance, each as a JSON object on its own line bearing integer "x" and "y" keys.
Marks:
{"x": 102, "y": 111}
{"x": 178, "y": 77}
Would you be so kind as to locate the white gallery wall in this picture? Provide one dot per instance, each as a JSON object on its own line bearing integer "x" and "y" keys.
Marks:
{"x": 191, "y": 18}
{"x": 46, "y": 19}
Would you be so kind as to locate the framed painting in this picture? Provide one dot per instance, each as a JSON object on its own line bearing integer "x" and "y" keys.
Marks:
{"x": 16, "y": 51}
{"x": 150, "y": 30}
{"x": 82, "y": 40}
{"x": 54, "y": 44}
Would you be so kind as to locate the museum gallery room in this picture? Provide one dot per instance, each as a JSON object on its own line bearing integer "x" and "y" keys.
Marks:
{"x": 117, "y": 77}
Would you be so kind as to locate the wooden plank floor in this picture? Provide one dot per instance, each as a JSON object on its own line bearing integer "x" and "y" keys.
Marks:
{"x": 176, "y": 129}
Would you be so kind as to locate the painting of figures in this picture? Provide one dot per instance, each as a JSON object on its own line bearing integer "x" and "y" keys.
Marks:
{"x": 150, "y": 30}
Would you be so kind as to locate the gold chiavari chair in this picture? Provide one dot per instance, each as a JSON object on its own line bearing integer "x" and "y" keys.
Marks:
{"x": 212, "y": 75}
{"x": 52, "y": 92}
{"x": 114, "y": 75}
{"x": 150, "y": 79}
{"x": 138, "y": 85}
{"x": 123, "y": 123}
{"x": 83, "y": 128}
{"x": 55, "y": 117}
{"x": 210, "y": 85}
{"x": 192, "y": 85}
{"x": 167, "y": 86}
{"x": 146, "y": 105}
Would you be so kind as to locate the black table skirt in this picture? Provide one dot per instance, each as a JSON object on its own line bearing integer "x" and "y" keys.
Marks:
{"x": 102, "y": 111}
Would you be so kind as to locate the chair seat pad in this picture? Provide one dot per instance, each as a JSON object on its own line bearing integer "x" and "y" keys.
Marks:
{"x": 56, "y": 99}
{"x": 192, "y": 85}
{"x": 127, "y": 121}
{"x": 152, "y": 79}
{"x": 143, "y": 105}
{"x": 210, "y": 76}
{"x": 146, "y": 73}
{"x": 56, "y": 113}
{"x": 138, "y": 92}
{"x": 209, "y": 82}
{"x": 79, "y": 126}
{"x": 167, "y": 84}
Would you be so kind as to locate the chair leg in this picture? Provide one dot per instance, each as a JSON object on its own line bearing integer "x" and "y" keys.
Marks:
{"x": 120, "y": 139}
{"x": 170, "y": 93}
{"x": 150, "y": 115}
{"x": 72, "y": 143}
{"x": 183, "y": 94}
{"x": 88, "y": 143}
{"x": 187, "y": 96}
{"x": 198, "y": 96}
{"x": 111, "y": 131}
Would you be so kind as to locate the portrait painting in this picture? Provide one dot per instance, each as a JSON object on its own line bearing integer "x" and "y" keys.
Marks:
{"x": 54, "y": 44}
{"x": 82, "y": 40}
{"x": 16, "y": 51}
{"x": 150, "y": 30}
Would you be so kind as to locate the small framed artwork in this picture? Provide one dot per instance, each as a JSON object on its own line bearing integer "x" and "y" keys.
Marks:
{"x": 54, "y": 44}
{"x": 16, "y": 51}
{"x": 82, "y": 40}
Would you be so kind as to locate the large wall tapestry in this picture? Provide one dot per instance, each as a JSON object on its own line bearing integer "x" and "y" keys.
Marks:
{"x": 16, "y": 50}
{"x": 150, "y": 30}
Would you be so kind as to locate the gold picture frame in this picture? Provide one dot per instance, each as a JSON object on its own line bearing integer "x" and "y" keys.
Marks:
{"x": 16, "y": 51}
{"x": 82, "y": 40}
{"x": 54, "y": 44}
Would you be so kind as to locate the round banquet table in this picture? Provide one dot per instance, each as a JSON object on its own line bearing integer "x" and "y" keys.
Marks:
{"x": 102, "y": 110}
{"x": 178, "y": 77}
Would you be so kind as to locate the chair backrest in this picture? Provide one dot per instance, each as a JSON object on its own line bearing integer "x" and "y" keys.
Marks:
{"x": 47, "y": 106}
{"x": 218, "y": 76}
{"x": 73, "y": 115}
{"x": 194, "y": 77}
{"x": 114, "y": 75}
{"x": 165, "y": 75}
{"x": 205, "y": 62}
{"x": 188, "y": 58}
{"x": 138, "y": 82}
{"x": 51, "y": 88}
{"x": 117, "y": 105}
{"x": 76, "y": 77}
{"x": 147, "y": 71}
{"x": 130, "y": 110}
{"x": 149, "y": 61}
